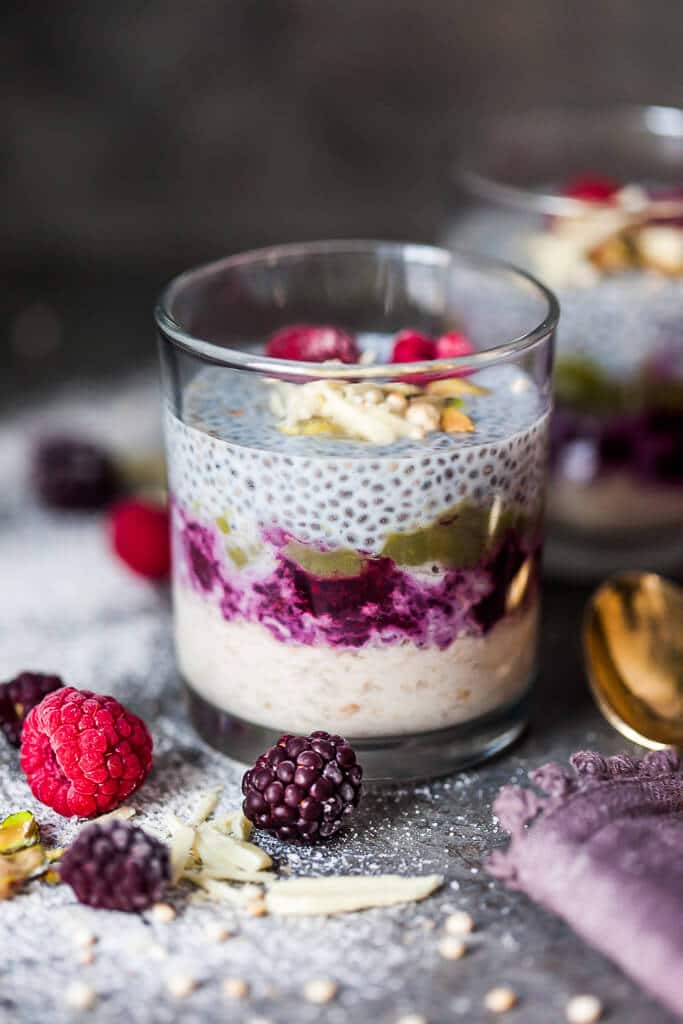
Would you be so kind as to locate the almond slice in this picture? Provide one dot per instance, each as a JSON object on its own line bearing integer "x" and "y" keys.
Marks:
{"x": 124, "y": 813}
{"x": 182, "y": 841}
{"x": 237, "y": 825}
{"x": 216, "y": 850}
{"x": 345, "y": 893}
{"x": 208, "y": 802}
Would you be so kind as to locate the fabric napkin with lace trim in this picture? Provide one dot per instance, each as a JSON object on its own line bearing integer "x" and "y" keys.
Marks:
{"x": 603, "y": 848}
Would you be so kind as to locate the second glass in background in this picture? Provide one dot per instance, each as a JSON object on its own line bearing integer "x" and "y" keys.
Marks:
{"x": 592, "y": 203}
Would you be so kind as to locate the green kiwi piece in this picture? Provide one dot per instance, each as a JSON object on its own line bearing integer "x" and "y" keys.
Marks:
{"x": 327, "y": 564}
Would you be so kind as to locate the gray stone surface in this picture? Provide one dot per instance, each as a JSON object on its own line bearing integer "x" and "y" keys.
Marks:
{"x": 66, "y": 606}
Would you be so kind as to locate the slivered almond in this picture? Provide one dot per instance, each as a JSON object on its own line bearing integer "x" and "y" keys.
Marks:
{"x": 208, "y": 802}
{"x": 215, "y": 849}
{"x": 182, "y": 841}
{"x": 237, "y": 825}
{"x": 345, "y": 893}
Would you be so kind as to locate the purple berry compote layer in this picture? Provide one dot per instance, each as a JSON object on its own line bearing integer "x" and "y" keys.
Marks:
{"x": 371, "y": 589}
{"x": 617, "y": 446}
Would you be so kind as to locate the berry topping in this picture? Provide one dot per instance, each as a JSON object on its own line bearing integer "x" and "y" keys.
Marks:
{"x": 452, "y": 345}
{"x": 303, "y": 787}
{"x": 83, "y": 753}
{"x": 68, "y": 473}
{"x": 412, "y": 347}
{"x": 140, "y": 537}
{"x": 312, "y": 343}
{"x": 21, "y": 695}
{"x": 116, "y": 866}
{"x": 591, "y": 188}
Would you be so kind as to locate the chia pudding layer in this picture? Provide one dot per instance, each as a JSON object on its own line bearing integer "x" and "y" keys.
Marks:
{"x": 368, "y": 589}
{"x": 617, "y": 433}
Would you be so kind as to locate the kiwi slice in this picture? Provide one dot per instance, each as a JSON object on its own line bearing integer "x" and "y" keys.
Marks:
{"x": 457, "y": 540}
{"x": 327, "y": 564}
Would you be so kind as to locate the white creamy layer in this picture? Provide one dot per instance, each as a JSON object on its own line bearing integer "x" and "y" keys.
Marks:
{"x": 614, "y": 502}
{"x": 372, "y": 691}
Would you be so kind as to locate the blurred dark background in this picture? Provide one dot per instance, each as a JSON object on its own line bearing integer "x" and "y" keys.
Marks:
{"x": 139, "y": 138}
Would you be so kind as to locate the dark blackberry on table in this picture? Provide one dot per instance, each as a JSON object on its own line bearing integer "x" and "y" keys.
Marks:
{"x": 70, "y": 473}
{"x": 116, "y": 866}
{"x": 19, "y": 696}
{"x": 303, "y": 787}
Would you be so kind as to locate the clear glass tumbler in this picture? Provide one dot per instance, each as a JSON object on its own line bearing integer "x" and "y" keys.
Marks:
{"x": 356, "y": 542}
{"x": 592, "y": 203}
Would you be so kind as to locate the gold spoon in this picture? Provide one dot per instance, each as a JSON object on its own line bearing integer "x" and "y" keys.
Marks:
{"x": 633, "y": 647}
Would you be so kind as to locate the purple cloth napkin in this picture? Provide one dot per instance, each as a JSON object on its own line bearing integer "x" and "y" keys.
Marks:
{"x": 603, "y": 848}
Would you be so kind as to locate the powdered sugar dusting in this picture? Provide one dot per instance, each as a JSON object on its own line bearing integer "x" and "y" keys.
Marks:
{"x": 68, "y": 607}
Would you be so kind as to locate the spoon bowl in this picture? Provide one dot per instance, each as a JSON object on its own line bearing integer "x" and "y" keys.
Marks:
{"x": 633, "y": 648}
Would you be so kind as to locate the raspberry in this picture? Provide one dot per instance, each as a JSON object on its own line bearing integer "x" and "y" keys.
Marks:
{"x": 83, "y": 753}
{"x": 452, "y": 345}
{"x": 140, "y": 536}
{"x": 116, "y": 866}
{"x": 303, "y": 787}
{"x": 312, "y": 343}
{"x": 19, "y": 696}
{"x": 68, "y": 473}
{"x": 412, "y": 347}
{"x": 592, "y": 188}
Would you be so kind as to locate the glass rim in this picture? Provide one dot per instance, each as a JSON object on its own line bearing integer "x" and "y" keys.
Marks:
{"x": 241, "y": 359}
{"x": 655, "y": 119}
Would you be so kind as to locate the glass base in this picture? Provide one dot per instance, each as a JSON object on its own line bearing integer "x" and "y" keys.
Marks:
{"x": 387, "y": 758}
{"x": 577, "y": 556}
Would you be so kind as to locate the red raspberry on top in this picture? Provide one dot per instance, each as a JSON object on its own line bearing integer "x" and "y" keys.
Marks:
{"x": 412, "y": 347}
{"x": 313, "y": 343}
{"x": 140, "y": 536}
{"x": 83, "y": 753}
{"x": 592, "y": 188}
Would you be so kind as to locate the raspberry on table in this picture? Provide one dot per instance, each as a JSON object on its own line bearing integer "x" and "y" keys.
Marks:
{"x": 69, "y": 473}
{"x": 303, "y": 787}
{"x": 83, "y": 753}
{"x": 116, "y": 866}
{"x": 140, "y": 536}
{"x": 312, "y": 343}
{"x": 19, "y": 696}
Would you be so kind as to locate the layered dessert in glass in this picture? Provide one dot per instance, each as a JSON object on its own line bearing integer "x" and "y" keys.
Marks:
{"x": 592, "y": 202}
{"x": 357, "y": 437}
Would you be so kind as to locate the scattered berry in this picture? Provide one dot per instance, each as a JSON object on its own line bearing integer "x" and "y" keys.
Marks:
{"x": 320, "y": 991}
{"x": 592, "y": 188}
{"x": 116, "y": 866}
{"x": 303, "y": 787}
{"x": 140, "y": 536}
{"x": 19, "y": 696}
{"x": 73, "y": 474}
{"x": 83, "y": 753}
{"x": 585, "y": 1009}
{"x": 452, "y": 345}
{"x": 80, "y": 996}
{"x": 412, "y": 347}
{"x": 500, "y": 1000}
{"x": 313, "y": 343}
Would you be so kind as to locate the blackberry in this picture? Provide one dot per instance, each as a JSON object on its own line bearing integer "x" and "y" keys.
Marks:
{"x": 73, "y": 474}
{"x": 303, "y": 787}
{"x": 116, "y": 866}
{"x": 18, "y": 697}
